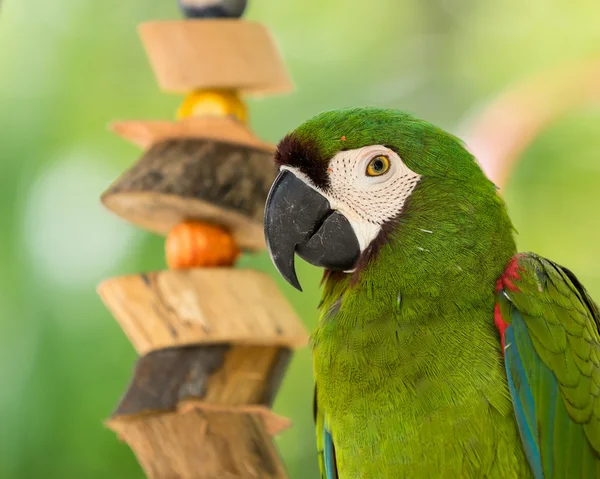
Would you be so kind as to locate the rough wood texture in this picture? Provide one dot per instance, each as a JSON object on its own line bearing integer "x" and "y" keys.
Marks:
{"x": 195, "y": 179}
{"x": 218, "y": 374}
{"x": 199, "y": 306}
{"x": 221, "y": 128}
{"x": 193, "y": 54}
{"x": 202, "y": 444}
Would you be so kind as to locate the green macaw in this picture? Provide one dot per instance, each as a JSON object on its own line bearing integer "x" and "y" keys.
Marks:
{"x": 440, "y": 352}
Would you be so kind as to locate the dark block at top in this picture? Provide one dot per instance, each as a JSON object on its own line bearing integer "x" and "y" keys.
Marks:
{"x": 212, "y": 8}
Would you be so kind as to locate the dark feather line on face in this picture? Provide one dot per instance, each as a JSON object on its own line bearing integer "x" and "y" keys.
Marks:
{"x": 305, "y": 155}
{"x": 366, "y": 256}
{"x": 371, "y": 251}
{"x": 333, "y": 275}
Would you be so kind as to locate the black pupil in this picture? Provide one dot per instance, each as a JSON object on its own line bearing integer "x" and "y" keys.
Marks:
{"x": 378, "y": 165}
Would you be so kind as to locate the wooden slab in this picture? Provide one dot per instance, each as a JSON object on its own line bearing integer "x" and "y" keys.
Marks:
{"x": 202, "y": 444}
{"x": 197, "y": 179}
{"x": 200, "y": 306}
{"x": 218, "y": 374}
{"x": 221, "y": 128}
{"x": 194, "y": 54}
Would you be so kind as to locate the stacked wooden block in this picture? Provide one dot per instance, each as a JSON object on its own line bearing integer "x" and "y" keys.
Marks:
{"x": 214, "y": 341}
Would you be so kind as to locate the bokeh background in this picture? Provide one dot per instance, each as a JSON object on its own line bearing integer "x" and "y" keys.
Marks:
{"x": 68, "y": 67}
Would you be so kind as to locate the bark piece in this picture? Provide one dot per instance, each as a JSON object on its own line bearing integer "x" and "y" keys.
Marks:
{"x": 188, "y": 55}
{"x": 199, "y": 306}
{"x": 220, "y": 374}
{"x": 197, "y": 179}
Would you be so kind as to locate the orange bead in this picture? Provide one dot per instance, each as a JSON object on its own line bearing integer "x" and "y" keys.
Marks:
{"x": 193, "y": 244}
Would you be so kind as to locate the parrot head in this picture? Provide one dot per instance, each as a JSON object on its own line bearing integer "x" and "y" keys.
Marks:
{"x": 349, "y": 178}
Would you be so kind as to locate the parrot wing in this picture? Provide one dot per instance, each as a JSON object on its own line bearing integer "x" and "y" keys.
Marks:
{"x": 549, "y": 327}
{"x": 327, "y": 462}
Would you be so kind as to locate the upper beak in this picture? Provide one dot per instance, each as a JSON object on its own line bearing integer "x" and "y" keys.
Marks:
{"x": 299, "y": 219}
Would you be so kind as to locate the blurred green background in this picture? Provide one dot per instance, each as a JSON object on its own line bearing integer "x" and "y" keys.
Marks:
{"x": 68, "y": 67}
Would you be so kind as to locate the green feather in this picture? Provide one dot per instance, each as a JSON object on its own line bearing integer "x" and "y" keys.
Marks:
{"x": 558, "y": 360}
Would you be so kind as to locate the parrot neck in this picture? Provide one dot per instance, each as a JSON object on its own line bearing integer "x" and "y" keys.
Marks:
{"x": 460, "y": 248}
{"x": 421, "y": 309}
{"x": 409, "y": 339}
{"x": 442, "y": 259}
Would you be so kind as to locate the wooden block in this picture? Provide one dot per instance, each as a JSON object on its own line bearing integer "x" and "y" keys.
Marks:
{"x": 200, "y": 306}
{"x": 220, "y": 128}
{"x": 216, "y": 374}
{"x": 196, "y": 179}
{"x": 195, "y": 54}
{"x": 202, "y": 444}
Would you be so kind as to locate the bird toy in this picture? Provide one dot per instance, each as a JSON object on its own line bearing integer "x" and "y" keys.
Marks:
{"x": 214, "y": 341}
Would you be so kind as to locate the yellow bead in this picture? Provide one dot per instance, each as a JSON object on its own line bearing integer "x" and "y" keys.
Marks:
{"x": 213, "y": 102}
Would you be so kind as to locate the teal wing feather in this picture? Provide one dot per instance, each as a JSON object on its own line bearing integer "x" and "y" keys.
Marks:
{"x": 550, "y": 329}
{"x": 326, "y": 449}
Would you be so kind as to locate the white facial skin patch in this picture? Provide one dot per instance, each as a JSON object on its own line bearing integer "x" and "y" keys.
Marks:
{"x": 367, "y": 196}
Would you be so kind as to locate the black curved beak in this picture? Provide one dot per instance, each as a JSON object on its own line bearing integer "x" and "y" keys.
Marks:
{"x": 298, "y": 219}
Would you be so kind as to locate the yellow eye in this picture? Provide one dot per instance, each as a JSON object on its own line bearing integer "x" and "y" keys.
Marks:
{"x": 378, "y": 166}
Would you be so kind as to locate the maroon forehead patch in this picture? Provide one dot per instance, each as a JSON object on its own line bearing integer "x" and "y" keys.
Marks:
{"x": 305, "y": 155}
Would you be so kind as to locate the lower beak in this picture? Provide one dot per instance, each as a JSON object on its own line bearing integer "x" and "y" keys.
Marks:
{"x": 299, "y": 219}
